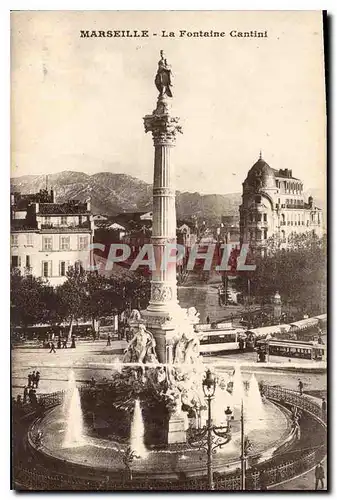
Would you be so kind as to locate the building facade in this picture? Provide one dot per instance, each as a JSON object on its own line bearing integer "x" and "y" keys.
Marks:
{"x": 48, "y": 237}
{"x": 273, "y": 205}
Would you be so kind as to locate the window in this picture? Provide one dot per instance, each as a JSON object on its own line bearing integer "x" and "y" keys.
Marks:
{"x": 46, "y": 268}
{"x": 265, "y": 234}
{"x": 83, "y": 243}
{"x": 29, "y": 238}
{"x": 65, "y": 243}
{"x": 265, "y": 217}
{"x": 64, "y": 220}
{"x": 47, "y": 243}
{"x": 28, "y": 261}
{"x": 47, "y": 220}
{"x": 63, "y": 267}
{"x": 14, "y": 240}
{"x": 15, "y": 261}
{"x": 258, "y": 199}
{"x": 259, "y": 217}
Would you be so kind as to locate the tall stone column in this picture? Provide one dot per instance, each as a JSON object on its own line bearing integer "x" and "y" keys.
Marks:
{"x": 164, "y": 127}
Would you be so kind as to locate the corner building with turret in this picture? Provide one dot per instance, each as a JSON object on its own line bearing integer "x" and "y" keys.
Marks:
{"x": 273, "y": 205}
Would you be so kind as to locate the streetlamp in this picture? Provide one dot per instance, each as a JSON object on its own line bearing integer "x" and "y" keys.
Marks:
{"x": 228, "y": 413}
{"x": 245, "y": 445}
{"x": 211, "y": 437}
{"x": 208, "y": 386}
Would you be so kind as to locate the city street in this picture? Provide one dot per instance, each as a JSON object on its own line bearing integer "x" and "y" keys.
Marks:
{"x": 95, "y": 359}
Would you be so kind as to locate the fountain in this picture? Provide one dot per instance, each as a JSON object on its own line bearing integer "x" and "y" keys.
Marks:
{"x": 238, "y": 392}
{"x": 137, "y": 432}
{"x": 73, "y": 415}
{"x": 255, "y": 414}
{"x": 222, "y": 399}
{"x": 162, "y": 360}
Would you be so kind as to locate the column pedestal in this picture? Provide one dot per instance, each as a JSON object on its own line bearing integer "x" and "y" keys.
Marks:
{"x": 176, "y": 430}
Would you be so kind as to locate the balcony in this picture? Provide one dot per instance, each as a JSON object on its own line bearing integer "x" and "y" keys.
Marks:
{"x": 61, "y": 228}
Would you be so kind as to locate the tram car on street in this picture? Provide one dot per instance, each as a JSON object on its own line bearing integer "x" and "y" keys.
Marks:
{"x": 290, "y": 349}
{"x": 218, "y": 341}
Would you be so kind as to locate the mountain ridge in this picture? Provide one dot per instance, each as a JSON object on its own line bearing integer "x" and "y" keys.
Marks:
{"x": 113, "y": 193}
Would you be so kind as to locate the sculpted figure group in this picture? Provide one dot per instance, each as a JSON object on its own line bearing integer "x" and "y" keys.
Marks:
{"x": 142, "y": 347}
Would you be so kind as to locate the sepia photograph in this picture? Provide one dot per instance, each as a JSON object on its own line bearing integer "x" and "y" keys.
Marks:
{"x": 168, "y": 251}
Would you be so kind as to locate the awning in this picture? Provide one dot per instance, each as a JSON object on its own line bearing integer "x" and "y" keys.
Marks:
{"x": 271, "y": 330}
{"x": 303, "y": 324}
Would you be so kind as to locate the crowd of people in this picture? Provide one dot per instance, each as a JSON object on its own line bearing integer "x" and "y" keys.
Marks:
{"x": 62, "y": 343}
{"x": 29, "y": 390}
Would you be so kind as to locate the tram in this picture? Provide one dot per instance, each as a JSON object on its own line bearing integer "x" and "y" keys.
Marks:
{"x": 291, "y": 349}
{"x": 220, "y": 341}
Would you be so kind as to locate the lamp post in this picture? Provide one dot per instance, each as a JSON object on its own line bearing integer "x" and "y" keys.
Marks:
{"x": 243, "y": 455}
{"x": 211, "y": 437}
{"x": 208, "y": 386}
{"x": 245, "y": 445}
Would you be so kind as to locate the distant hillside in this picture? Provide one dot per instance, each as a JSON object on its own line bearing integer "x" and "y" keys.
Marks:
{"x": 114, "y": 193}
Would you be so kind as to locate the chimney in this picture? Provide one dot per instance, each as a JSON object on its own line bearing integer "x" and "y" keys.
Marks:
{"x": 88, "y": 204}
{"x": 52, "y": 196}
{"x": 290, "y": 173}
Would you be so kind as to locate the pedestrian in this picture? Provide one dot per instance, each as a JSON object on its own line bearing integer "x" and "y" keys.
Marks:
{"x": 65, "y": 342}
{"x": 29, "y": 379}
{"x": 59, "y": 342}
{"x": 208, "y": 320}
{"x": 324, "y": 408}
{"x": 33, "y": 378}
{"x": 263, "y": 480}
{"x": 37, "y": 379}
{"x": 109, "y": 340}
{"x": 31, "y": 395}
{"x": 73, "y": 344}
{"x": 25, "y": 394}
{"x": 52, "y": 347}
{"x": 300, "y": 387}
{"x": 319, "y": 476}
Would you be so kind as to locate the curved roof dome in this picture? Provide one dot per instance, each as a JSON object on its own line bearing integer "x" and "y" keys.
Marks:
{"x": 261, "y": 175}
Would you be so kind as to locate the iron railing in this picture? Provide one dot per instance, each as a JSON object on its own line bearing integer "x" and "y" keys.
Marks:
{"x": 256, "y": 479}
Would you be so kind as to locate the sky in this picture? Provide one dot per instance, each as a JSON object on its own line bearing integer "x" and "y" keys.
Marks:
{"x": 78, "y": 103}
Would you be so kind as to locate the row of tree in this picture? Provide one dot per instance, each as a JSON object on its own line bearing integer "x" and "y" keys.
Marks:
{"x": 298, "y": 273}
{"x": 83, "y": 295}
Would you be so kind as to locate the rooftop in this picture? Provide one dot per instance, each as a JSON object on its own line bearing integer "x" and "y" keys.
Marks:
{"x": 71, "y": 207}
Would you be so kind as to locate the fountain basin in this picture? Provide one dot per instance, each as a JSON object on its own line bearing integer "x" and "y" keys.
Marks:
{"x": 103, "y": 456}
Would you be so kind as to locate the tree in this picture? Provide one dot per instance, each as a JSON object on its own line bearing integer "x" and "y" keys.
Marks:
{"x": 104, "y": 296}
{"x": 27, "y": 305}
{"x": 72, "y": 297}
{"x": 298, "y": 273}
